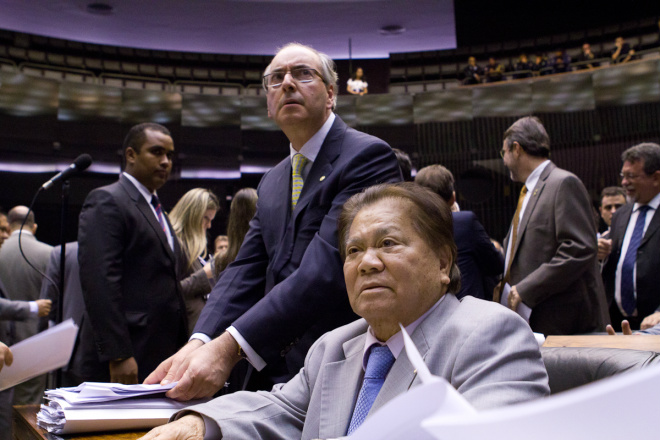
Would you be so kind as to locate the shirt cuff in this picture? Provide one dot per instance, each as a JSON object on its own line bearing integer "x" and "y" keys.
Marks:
{"x": 257, "y": 361}
{"x": 212, "y": 430}
{"x": 34, "y": 308}
{"x": 201, "y": 336}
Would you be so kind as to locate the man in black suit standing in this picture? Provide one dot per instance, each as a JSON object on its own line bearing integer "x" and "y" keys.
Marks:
{"x": 128, "y": 255}
{"x": 477, "y": 256}
{"x": 632, "y": 269}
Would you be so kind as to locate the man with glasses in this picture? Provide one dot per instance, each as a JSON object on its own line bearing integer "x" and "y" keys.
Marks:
{"x": 551, "y": 272}
{"x": 285, "y": 288}
{"x": 632, "y": 270}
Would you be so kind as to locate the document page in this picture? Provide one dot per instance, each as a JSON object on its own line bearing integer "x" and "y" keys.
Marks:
{"x": 39, "y": 354}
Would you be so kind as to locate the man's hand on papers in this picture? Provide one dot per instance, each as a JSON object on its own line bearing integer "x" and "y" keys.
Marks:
{"x": 625, "y": 328}
{"x": 188, "y": 427}
{"x": 6, "y": 357}
{"x": 44, "y": 306}
{"x": 650, "y": 321}
{"x": 199, "y": 370}
{"x": 124, "y": 371}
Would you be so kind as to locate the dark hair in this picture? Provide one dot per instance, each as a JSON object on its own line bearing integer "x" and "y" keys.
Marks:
{"x": 648, "y": 152}
{"x": 354, "y": 75}
{"x": 136, "y": 135}
{"x": 241, "y": 211}
{"x": 431, "y": 218}
{"x": 612, "y": 191}
{"x": 530, "y": 134}
{"x": 405, "y": 164}
{"x": 438, "y": 179}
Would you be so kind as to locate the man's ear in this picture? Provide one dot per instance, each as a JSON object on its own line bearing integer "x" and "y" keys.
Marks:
{"x": 452, "y": 200}
{"x": 331, "y": 96}
{"x": 130, "y": 155}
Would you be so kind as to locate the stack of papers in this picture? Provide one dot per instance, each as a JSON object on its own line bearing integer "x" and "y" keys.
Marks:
{"x": 97, "y": 406}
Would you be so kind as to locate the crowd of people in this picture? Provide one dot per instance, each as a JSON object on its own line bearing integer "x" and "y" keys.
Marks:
{"x": 543, "y": 64}
{"x": 293, "y": 320}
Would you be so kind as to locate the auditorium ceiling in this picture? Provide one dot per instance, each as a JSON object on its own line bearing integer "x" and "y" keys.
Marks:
{"x": 253, "y": 27}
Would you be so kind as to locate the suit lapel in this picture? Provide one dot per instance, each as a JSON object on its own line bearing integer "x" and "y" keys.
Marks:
{"x": 531, "y": 204}
{"x": 653, "y": 227}
{"x": 322, "y": 166}
{"x": 337, "y": 398}
{"x": 142, "y": 206}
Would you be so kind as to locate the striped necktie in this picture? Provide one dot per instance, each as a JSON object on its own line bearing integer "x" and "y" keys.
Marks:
{"x": 298, "y": 164}
{"x": 628, "y": 301}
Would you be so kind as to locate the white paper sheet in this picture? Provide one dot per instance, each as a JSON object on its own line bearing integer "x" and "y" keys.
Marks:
{"x": 522, "y": 309}
{"x": 620, "y": 407}
{"x": 39, "y": 354}
{"x": 401, "y": 418}
{"x": 103, "y": 392}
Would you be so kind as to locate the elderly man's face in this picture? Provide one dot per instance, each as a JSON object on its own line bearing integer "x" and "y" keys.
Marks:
{"x": 392, "y": 275}
{"x": 4, "y": 229}
{"x": 293, "y": 102}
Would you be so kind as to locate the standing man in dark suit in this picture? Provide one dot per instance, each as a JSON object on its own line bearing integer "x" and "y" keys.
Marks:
{"x": 632, "y": 269}
{"x": 477, "y": 256}
{"x": 128, "y": 255}
{"x": 551, "y": 270}
{"x": 285, "y": 287}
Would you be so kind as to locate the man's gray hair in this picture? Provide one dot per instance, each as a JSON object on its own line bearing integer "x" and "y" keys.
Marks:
{"x": 328, "y": 67}
{"x": 648, "y": 152}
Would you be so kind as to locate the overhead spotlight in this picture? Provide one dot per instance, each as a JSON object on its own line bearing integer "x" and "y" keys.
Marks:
{"x": 393, "y": 29}
{"x": 100, "y": 8}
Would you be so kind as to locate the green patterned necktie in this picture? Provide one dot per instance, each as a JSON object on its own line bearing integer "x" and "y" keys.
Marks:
{"x": 299, "y": 162}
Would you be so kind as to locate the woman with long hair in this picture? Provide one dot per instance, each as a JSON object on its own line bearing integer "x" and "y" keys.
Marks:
{"x": 191, "y": 217}
{"x": 357, "y": 83}
{"x": 241, "y": 211}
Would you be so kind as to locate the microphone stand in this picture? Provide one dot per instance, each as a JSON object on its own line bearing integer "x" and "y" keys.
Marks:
{"x": 60, "y": 303}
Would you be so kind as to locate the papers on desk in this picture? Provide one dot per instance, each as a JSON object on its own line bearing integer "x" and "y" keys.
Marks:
{"x": 619, "y": 407}
{"x": 39, "y": 354}
{"x": 96, "y": 406}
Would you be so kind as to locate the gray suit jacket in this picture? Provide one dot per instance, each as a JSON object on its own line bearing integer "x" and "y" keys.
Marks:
{"x": 20, "y": 280}
{"x": 554, "y": 265}
{"x": 10, "y": 311}
{"x": 485, "y": 351}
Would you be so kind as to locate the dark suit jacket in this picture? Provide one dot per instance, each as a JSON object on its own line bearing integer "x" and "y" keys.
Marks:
{"x": 286, "y": 287}
{"x": 647, "y": 265}
{"x": 477, "y": 257}
{"x": 554, "y": 267}
{"x": 128, "y": 276}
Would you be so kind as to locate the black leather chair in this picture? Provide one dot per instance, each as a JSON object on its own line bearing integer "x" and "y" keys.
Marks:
{"x": 570, "y": 367}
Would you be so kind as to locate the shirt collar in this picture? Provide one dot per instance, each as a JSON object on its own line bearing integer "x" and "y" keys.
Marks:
{"x": 533, "y": 178}
{"x": 395, "y": 343}
{"x": 18, "y": 231}
{"x": 143, "y": 189}
{"x": 653, "y": 204}
{"x": 312, "y": 147}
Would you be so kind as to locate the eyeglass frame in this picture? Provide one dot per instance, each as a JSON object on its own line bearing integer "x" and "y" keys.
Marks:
{"x": 289, "y": 71}
{"x": 630, "y": 176}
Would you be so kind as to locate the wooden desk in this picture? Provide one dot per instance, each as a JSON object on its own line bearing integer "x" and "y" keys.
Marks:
{"x": 25, "y": 428}
{"x": 630, "y": 342}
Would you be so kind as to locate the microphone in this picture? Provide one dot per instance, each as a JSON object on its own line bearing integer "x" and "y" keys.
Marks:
{"x": 79, "y": 165}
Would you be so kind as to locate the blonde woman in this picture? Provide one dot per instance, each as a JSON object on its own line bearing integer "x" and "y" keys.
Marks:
{"x": 191, "y": 217}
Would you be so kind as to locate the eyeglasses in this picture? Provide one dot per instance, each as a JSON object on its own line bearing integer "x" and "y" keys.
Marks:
{"x": 628, "y": 176}
{"x": 299, "y": 74}
{"x": 502, "y": 153}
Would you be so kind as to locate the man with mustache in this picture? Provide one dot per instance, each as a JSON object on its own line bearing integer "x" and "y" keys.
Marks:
{"x": 632, "y": 269}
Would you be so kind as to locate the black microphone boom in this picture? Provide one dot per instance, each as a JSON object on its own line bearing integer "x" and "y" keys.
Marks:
{"x": 81, "y": 163}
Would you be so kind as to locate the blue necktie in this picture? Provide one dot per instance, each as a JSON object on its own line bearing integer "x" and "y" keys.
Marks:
{"x": 628, "y": 267}
{"x": 378, "y": 365}
{"x": 159, "y": 211}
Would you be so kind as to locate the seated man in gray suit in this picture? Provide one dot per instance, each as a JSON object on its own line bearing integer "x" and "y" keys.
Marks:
{"x": 400, "y": 267}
